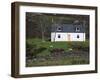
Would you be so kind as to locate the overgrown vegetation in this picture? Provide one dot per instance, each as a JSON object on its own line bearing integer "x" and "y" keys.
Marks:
{"x": 47, "y": 53}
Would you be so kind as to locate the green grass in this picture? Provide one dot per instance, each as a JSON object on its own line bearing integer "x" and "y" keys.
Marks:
{"x": 47, "y": 44}
{"x": 59, "y": 45}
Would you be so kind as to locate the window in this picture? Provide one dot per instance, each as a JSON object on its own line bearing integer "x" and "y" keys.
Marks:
{"x": 78, "y": 36}
{"x": 77, "y": 29}
{"x": 59, "y": 28}
{"x": 59, "y": 36}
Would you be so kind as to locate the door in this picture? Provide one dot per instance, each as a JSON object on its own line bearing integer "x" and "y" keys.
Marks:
{"x": 68, "y": 35}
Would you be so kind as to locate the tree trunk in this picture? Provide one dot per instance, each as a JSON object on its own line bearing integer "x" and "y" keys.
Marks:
{"x": 42, "y": 32}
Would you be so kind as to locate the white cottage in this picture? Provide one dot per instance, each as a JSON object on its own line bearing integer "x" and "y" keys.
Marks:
{"x": 68, "y": 32}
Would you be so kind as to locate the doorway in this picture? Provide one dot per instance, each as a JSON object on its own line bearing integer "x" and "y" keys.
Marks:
{"x": 68, "y": 35}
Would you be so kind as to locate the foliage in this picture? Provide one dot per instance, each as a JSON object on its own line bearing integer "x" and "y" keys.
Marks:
{"x": 32, "y": 50}
{"x": 38, "y": 25}
{"x": 84, "y": 46}
{"x": 57, "y": 50}
{"x": 79, "y": 61}
{"x": 63, "y": 61}
{"x": 56, "y": 53}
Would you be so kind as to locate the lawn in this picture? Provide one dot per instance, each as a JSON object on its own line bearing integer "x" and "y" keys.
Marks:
{"x": 48, "y": 53}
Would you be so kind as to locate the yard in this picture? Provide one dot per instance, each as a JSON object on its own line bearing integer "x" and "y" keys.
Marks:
{"x": 47, "y": 53}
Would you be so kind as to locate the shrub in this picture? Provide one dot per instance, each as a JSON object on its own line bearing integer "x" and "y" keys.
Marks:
{"x": 79, "y": 61}
{"x": 32, "y": 50}
{"x": 29, "y": 49}
{"x": 57, "y": 50}
{"x": 39, "y": 50}
{"x": 84, "y": 46}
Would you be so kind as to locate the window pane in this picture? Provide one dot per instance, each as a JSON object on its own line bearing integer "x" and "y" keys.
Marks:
{"x": 77, "y": 36}
{"x": 59, "y": 36}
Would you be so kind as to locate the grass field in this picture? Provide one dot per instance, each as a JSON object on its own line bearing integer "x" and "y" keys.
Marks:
{"x": 48, "y": 53}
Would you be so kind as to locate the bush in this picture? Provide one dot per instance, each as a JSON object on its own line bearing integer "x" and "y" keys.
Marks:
{"x": 57, "y": 50}
{"x": 29, "y": 50}
{"x": 80, "y": 61}
{"x": 32, "y": 50}
{"x": 84, "y": 46}
{"x": 39, "y": 50}
{"x": 48, "y": 39}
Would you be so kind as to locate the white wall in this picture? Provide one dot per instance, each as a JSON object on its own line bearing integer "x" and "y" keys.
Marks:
{"x": 74, "y": 36}
{"x": 64, "y": 36}
{"x": 5, "y": 40}
{"x": 54, "y": 36}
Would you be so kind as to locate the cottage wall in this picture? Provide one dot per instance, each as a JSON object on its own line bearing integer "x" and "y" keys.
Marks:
{"x": 67, "y": 36}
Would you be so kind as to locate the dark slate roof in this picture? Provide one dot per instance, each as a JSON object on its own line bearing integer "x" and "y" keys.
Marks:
{"x": 67, "y": 28}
